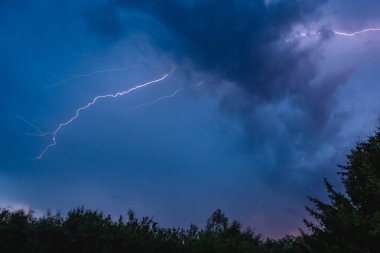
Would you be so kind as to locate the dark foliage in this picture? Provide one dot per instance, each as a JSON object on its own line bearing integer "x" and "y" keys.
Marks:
{"x": 90, "y": 231}
{"x": 351, "y": 221}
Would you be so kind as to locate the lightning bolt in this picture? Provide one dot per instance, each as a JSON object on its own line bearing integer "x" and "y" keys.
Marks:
{"x": 77, "y": 76}
{"x": 175, "y": 93}
{"x": 309, "y": 34}
{"x": 357, "y": 32}
{"x": 91, "y": 103}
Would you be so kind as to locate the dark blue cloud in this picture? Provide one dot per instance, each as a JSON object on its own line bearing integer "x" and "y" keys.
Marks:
{"x": 242, "y": 41}
{"x": 286, "y": 108}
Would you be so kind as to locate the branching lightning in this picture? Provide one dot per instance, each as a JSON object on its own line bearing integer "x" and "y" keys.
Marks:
{"x": 357, "y": 32}
{"x": 91, "y": 103}
{"x": 312, "y": 34}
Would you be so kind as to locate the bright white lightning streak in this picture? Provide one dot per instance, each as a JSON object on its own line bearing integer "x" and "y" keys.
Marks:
{"x": 94, "y": 100}
{"x": 357, "y": 32}
{"x": 304, "y": 35}
{"x": 73, "y": 77}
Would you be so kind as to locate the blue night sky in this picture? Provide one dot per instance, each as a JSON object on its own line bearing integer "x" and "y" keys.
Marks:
{"x": 265, "y": 100}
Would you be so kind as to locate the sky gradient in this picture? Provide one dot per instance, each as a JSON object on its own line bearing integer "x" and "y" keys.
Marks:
{"x": 265, "y": 99}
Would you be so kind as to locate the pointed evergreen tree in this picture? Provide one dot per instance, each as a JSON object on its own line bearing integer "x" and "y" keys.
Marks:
{"x": 351, "y": 221}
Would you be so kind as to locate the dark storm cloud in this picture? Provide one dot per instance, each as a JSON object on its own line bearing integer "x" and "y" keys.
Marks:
{"x": 285, "y": 105}
{"x": 244, "y": 42}
{"x": 241, "y": 41}
{"x": 320, "y": 99}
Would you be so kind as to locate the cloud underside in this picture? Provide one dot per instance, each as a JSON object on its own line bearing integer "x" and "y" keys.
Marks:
{"x": 242, "y": 42}
{"x": 276, "y": 87}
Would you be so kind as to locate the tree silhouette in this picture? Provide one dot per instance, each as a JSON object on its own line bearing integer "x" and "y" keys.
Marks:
{"x": 15, "y": 230}
{"x": 351, "y": 221}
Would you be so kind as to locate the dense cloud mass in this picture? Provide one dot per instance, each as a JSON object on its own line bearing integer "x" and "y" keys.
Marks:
{"x": 275, "y": 91}
{"x": 287, "y": 106}
{"x": 243, "y": 42}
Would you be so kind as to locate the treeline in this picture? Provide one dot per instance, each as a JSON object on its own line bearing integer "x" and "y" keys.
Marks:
{"x": 90, "y": 231}
{"x": 348, "y": 223}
